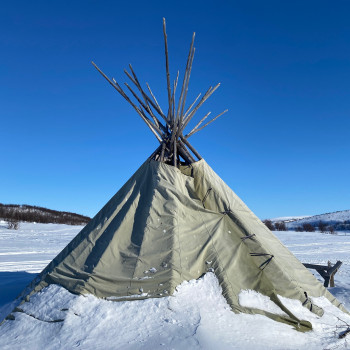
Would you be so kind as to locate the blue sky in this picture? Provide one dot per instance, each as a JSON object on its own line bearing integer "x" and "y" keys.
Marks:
{"x": 69, "y": 141}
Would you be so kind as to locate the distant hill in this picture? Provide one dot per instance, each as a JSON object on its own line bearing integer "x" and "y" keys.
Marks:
{"x": 286, "y": 219}
{"x": 340, "y": 220}
{"x": 31, "y": 213}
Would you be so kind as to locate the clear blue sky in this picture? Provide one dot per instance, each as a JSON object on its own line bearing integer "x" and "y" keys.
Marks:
{"x": 69, "y": 141}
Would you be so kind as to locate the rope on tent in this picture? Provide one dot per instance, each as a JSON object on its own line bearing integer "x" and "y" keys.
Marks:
{"x": 17, "y": 309}
{"x": 265, "y": 263}
{"x": 259, "y": 254}
{"x": 248, "y": 237}
{"x": 226, "y": 211}
{"x": 206, "y": 196}
{"x": 307, "y": 300}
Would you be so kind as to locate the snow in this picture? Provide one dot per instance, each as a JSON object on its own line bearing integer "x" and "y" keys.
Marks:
{"x": 33, "y": 246}
{"x": 197, "y": 316}
{"x": 256, "y": 300}
{"x": 319, "y": 248}
{"x": 26, "y": 252}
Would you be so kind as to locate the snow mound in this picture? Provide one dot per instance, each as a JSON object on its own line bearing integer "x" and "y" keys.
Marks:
{"x": 197, "y": 316}
{"x": 256, "y": 300}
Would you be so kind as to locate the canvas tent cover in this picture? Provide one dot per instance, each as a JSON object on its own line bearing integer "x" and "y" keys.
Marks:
{"x": 167, "y": 225}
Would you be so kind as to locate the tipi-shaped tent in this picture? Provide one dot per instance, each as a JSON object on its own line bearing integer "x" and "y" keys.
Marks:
{"x": 175, "y": 220}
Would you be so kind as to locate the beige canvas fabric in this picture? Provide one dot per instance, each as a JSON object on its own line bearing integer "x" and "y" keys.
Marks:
{"x": 165, "y": 226}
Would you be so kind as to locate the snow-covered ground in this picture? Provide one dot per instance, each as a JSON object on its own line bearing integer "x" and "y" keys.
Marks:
{"x": 319, "y": 248}
{"x": 33, "y": 246}
{"x": 195, "y": 317}
{"x": 25, "y": 252}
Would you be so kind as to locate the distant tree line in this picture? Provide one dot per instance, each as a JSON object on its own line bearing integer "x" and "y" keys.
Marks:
{"x": 320, "y": 226}
{"x": 305, "y": 228}
{"x": 342, "y": 226}
{"x": 14, "y": 213}
{"x": 277, "y": 226}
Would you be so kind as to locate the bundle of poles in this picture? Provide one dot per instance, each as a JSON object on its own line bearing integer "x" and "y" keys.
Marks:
{"x": 174, "y": 146}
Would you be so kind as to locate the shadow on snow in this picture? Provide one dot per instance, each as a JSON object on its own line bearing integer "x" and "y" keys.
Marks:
{"x": 12, "y": 284}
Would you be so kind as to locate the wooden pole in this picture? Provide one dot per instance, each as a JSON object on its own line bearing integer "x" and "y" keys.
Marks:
{"x": 120, "y": 90}
{"x": 204, "y": 98}
{"x": 167, "y": 65}
{"x": 200, "y": 122}
{"x": 179, "y": 130}
{"x": 182, "y": 147}
{"x": 174, "y": 124}
{"x": 185, "y": 156}
{"x": 187, "y": 82}
{"x": 146, "y": 96}
{"x": 157, "y": 122}
{"x": 209, "y": 92}
{"x": 170, "y": 135}
{"x": 150, "y": 125}
{"x": 162, "y": 152}
{"x": 155, "y": 152}
{"x": 175, "y": 153}
{"x": 187, "y": 136}
{"x": 149, "y": 121}
{"x": 185, "y": 77}
{"x": 190, "y": 115}
{"x": 147, "y": 107}
{"x": 189, "y": 108}
{"x": 173, "y": 97}
{"x": 154, "y": 98}
{"x": 193, "y": 150}
{"x": 115, "y": 85}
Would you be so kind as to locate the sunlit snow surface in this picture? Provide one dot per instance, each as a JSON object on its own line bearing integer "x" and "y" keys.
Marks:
{"x": 195, "y": 317}
{"x": 33, "y": 246}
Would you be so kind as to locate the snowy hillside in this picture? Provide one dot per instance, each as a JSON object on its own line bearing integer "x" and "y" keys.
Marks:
{"x": 338, "y": 219}
{"x": 195, "y": 317}
{"x": 288, "y": 218}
